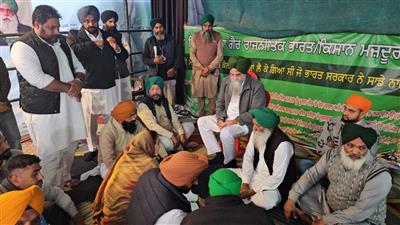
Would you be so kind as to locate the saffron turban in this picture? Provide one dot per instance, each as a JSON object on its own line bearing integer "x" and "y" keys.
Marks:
{"x": 183, "y": 168}
{"x": 224, "y": 182}
{"x": 207, "y": 18}
{"x": 108, "y": 14}
{"x": 265, "y": 117}
{"x": 154, "y": 21}
{"x": 14, "y": 203}
{"x": 124, "y": 110}
{"x": 359, "y": 102}
{"x": 86, "y": 11}
{"x": 240, "y": 63}
{"x": 154, "y": 80}
{"x": 352, "y": 131}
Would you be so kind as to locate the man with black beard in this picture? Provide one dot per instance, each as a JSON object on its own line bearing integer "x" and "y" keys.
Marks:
{"x": 355, "y": 109}
{"x": 268, "y": 170}
{"x": 238, "y": 94}
{"x": 97, "y": 54}
{"x": 123, "y": 81}
{"x": 162, "y": 55}
{"x": 49, "y": 77}
{"x": 359, "y": 183}
{"x": 157, "y": 114}
{"x": 118, "y": 133}
{"x": 206, "y": 54}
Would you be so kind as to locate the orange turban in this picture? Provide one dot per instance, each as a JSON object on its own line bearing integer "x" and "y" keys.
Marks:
{"x": 14, "y": 203}
{"x": 124, "y": 110}
{"x": 183, "y": 167}
{"x": 359, "y": 102}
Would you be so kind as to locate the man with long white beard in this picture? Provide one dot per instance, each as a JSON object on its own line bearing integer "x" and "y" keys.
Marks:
{"x": 206, "y": 54}
{"x": 238, "y": 94}
{"x": 9, "y": 22}
{"x": 359, "y": 184}
{"x": 163, "y": 57}
{"x": 268, "y": 169}
{"x": 354, "y": 111}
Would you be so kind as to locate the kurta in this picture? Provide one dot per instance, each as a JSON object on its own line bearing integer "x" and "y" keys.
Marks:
{"x": 50, "y": 132}
{"x": 114, "y": 139}
{"x": 205, "y": 55}
{"x": 114, "y": 194}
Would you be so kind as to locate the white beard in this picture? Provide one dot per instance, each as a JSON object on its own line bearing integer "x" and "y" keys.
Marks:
{"x": 261, "y": 138}
{"x": 159, "y": 37}
{"x": 206, "y": 36}
{"x": 352, "y": 164}
{"x": 8, "y": 27}
{"x": 235, "y": 85}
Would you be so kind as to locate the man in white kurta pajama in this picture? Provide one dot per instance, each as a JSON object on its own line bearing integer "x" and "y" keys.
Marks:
{"x": 269, "y": 157}
{"x": 55, "y": 134}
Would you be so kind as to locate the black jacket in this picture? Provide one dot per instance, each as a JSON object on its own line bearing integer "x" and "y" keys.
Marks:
{"x": 152, "y": 197}
{"x": 98, "y": 63}
{"x": 229, "y": 210}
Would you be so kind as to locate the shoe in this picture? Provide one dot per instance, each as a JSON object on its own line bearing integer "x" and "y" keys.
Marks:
{"x": 219, "y": 159}
{"x": 231, "y": 164}
{"x": 90, "y": 156}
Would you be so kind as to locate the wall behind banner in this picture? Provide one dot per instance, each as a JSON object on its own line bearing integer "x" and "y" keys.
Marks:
{"x": 310, "y": 76}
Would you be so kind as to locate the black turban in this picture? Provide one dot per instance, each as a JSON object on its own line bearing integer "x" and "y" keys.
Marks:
{"x": 155, "y": 21}
{"x": 108, "y": 14}
{"x": 86, "y": 11}
{"x": 352, "y": 131}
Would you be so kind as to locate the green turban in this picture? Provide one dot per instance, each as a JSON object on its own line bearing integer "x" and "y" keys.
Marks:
{"x": 352, "y": 131}
{"x": 207, "y": 18}
{"x": 265, "y": 117}
{"x": 12, "y": 4}
{"x": 154, "y": 80}
{"x": 240, "y": 63}
{"x": 224, "y": 182}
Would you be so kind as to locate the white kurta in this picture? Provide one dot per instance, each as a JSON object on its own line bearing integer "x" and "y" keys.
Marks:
{"x": 260, "y": 180}
{"x": 50, "y": 132}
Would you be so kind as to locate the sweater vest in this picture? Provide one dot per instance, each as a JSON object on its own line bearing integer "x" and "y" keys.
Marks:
{"x": 348, "y": 185}
{"x": 33, "y": 99}
{"x": 206, "y": 52}
{"x": 272, "y": 144}
{"x": 152, "y": 197}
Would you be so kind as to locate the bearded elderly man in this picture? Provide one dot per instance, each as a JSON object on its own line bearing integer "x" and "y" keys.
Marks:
{"x": 238, "y": 94}
{"x": 206, "y": 54}
{"x": 269, "y": 168}
{"x": 355, "y": 109}
{"x": 117, "y": 134}
{"x": 359, "y": 184}
{"x": 162, "y": 55}
{"x": 9, "y": 22}
{"x": 157, "y": 114}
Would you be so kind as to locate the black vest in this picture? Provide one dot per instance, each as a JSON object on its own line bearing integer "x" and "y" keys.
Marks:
{"x": 152, "y": 197}
{"x": 33, "y": 99}
{"x": 272, "y": 144}
{"x": 164, "y": 102}
{"x": 227, "y": 210}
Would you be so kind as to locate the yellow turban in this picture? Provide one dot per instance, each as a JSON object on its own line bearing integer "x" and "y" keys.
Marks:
{"x": 14, "y": 203}
{"x": 359, "y": 102}
{"x": 183, "y": 167}
{"x": 124, "y": 110}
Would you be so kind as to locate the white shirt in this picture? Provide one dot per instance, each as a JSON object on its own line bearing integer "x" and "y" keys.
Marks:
{"x": 172, "y": 217}
{"x": 233, "y": 108}
{"x": 260, "y": 179}
{"x": 50, "y": 132}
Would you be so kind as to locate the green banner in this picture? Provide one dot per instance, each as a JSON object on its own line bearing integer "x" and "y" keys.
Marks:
{"x": 310, "y": 76}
